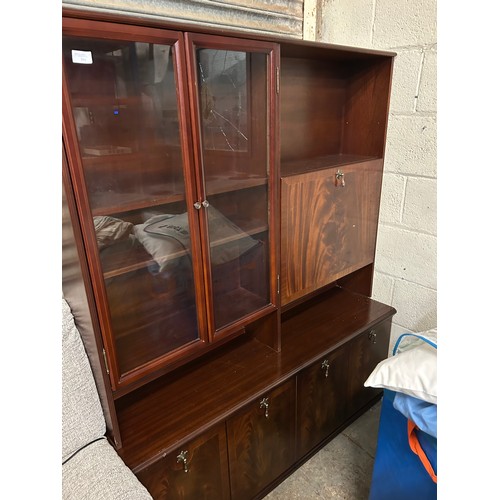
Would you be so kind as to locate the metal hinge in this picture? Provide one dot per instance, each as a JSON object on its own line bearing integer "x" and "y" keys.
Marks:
{"x": 278, "y": 284}
{"x": 277, "y": 79}
{"x": 105, "y": 360}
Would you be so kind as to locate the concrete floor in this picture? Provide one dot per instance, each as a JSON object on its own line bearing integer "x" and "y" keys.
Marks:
{"x": 340, "y": 470}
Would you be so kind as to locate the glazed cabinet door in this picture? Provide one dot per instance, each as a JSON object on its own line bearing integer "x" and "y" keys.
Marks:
{"x": 197, "y": 470}
{"x": 232, "y": 89}
{"x": 125, "y": 126}
{"x": 321, "y": 400}
{"x": 261, "y": 441}
{"x": 365, "y": 352}
{"x": 329, "y": 225}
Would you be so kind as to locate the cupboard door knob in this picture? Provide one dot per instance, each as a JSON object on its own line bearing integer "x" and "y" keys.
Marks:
{"x": 325, "y": 366}
{"x": 372, "y": 336}
{"x": 339, "y": 176}
{"x": 265, "y": 404}
{"x": 205, "y": 203}
{"x": 182, "y": 457}
{"x": 197, "y": 205}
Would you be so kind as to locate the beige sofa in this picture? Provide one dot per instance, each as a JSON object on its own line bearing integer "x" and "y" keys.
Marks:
{"x": 91, "y": 467}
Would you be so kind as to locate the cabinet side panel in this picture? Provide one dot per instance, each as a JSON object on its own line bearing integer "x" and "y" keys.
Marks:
{"x": 366, "y": 110}
{"x": 75, "y": 293}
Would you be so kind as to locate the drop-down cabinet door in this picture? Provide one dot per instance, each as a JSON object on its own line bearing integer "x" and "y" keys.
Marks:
{"x": 261, "y": 441}
{"x": 329, "y": 225}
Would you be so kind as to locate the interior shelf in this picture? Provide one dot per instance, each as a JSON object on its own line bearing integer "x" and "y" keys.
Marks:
{"x": 168, "y": 333}
{"x": 130, "y": 256}
{"x": 233, "y": 182}
{"x": 303, "y": 166}
{"x": 109, "y": 203}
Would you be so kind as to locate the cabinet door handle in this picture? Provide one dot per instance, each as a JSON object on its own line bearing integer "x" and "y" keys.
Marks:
{"x": 199, "y": 204}
{"x": 372, "y": 336}
{"x": 339, "y": 176}
{"x": 182, "y": 457}
{"x": 325, "y": 366}
{"x": 265, "y": 404}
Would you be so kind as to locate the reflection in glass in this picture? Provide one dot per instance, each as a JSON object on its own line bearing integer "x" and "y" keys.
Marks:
{"x": 223, "y": 99}
{"x": 126, "y": 117}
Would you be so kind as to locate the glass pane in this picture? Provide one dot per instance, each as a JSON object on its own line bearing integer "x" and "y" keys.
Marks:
{"x": 223, "y": 99}
{"x": 125, "y": 110}
{"x": 234, "y": 118}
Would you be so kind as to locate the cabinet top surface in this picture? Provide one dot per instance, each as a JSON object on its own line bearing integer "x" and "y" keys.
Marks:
{"x": 245, "y": 370}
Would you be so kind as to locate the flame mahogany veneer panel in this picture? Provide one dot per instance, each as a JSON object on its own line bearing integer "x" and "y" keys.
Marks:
{"x": 321, "y": 403}
{"x": 328, "y": 231}
{"x": 205, "y": 474}
{"x": 262, "y": 447}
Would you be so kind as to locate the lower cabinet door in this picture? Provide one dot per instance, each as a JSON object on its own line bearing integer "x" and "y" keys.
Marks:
{"x": 365, "y": 352}
{"x": 196, "y": 471}
{"x": 261, "y": 441}
{"x": 321, "y": 400}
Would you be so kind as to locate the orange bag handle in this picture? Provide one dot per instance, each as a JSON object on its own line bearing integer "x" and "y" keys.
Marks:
{"x": 418, "y": 450}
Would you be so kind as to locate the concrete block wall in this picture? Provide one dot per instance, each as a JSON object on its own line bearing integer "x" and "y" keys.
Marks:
{"x": 405, "y": 263}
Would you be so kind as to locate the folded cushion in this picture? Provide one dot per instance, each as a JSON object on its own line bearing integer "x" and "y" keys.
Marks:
{"x": 422, "y": 413}
{"x": 166, "y": 238}
{"x": 110, "y": 230}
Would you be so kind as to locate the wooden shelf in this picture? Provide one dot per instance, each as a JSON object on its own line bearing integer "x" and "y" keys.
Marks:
{"x": 90, "y": 100}
{"x": 109, "y": 203}
{"x": 125, "y": 257}
{"x": 242, "y": 301}
{"x": 130, "y": 256}
{"x": 296, "y": 167}
{"x": 163, "y": 336}
{"x": 233, "y": 182}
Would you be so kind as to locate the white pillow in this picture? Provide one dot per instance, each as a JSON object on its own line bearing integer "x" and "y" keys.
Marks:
{"x": 412, "y": 372}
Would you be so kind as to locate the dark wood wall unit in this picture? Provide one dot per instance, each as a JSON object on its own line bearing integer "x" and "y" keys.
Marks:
{"x": 223, "y": 198}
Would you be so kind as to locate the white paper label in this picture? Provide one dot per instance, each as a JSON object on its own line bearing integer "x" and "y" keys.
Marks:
{"x": 81, "y": 56}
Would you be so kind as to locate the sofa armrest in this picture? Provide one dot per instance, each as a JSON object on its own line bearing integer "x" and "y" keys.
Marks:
{"x": 97, "y": 472}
